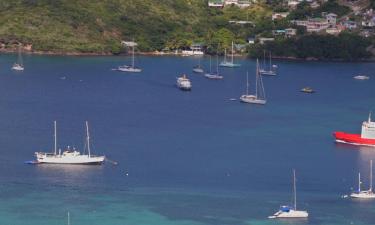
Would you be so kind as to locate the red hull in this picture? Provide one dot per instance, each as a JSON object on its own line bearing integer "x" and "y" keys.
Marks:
{"x": 354, "y": 139}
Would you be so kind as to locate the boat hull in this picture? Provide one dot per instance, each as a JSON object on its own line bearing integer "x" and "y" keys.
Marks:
{"x": 77, "y": 160}
{"x": 267, "y": 73}
{"x": 289, "y": 215}
{"x": 363, "y": 195}
{"x": 252, "y": 100}
{"x": 213, "y": 76}
{"x": 230, "y": 65}
{"x": 353, "y": 139}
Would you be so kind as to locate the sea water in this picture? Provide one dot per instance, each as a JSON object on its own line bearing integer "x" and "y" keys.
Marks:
{"x": 184, "y": 158}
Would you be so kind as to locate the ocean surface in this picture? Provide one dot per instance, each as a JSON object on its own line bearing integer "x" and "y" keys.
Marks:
{"x": 184, "y": 158}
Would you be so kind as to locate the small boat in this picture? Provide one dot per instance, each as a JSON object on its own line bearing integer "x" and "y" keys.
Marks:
{"x": 130, "y": 68}
{"x": 18, "y": 66}
{"x": 361, "y": 77}
{"x": 367, "y": 194}
{"x": 231, "y": 63}
{"x": 184, "y": 83}
{"x": 308, "y": 90}
{"x": 69, "y": 156}
{"x": 211, "y": 75}
{"x": 260, "y": 95}
{"x": 272, "y": 68}
{"x": 290, "y": 211}
{"x": 366, "y": 138}
{"x": 198, "y": 68}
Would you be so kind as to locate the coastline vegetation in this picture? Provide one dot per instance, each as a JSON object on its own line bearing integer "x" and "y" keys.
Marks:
{"x": 80, "y": 26}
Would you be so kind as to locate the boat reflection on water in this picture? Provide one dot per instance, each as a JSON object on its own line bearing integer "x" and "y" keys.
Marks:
{"x": 70, "y": 175}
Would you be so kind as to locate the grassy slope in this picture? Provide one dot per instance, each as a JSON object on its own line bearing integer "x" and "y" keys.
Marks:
{"x": 83, "y": 25}
{"x": 98, "y": 26}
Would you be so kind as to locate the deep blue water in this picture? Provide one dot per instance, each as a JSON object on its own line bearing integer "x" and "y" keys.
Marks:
{"x": 193, "y": 158}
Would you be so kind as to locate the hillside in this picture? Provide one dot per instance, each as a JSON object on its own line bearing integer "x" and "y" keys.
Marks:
{"x": 99, "y": 26}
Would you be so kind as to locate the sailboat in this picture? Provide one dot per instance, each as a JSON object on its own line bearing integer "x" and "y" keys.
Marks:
{"x": 18, "y": 66}
{"x": 271, "y": 69}
{"x": 198, "y": 68}
{"x": 260, "y": 96}
{"x": 290, "y": 211}
{"x": 211, "y": 75}
{"x": 69, "y": 156}
{"x": 367, "y": 194}
{"x": 130, "y": 68}
{"x": 231, "y": 63}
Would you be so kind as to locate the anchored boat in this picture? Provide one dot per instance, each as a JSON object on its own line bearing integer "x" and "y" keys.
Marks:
{"x": 290, "y": 211}
{"x": 184, "y": 83}
{"x": 69, "y": 156}
{"x": 367, "y": 136}
{"x": 366, "y": 194}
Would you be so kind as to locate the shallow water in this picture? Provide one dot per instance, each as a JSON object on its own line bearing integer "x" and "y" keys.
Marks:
{"x": 192, "y": 158}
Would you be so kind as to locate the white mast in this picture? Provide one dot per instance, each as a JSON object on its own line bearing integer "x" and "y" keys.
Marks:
{"x": 88, "y": 138}
{"x": 247, "y": 83}
{"x": 133, "y": 56}
{"x": 370, "y": 176}
{"x": 55, "y": 137}
{"x": 217, "y": 64}
{"x": 369, "y": 117}
{"x": 359, "y": 182}
{"x": 256, "y": 80}
{"x": 232, "y": 52}
{"x": 20, "y": 61}
{"x": 270, "y": 61}
{"x": 225, "y": 55}
{"x": 210, "y": 64}
{"x": 68, "y": 218}
{"x": 294, "y": 189}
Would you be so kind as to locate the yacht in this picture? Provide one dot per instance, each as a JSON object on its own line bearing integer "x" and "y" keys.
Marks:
{"x": 308, "y": 90}
{"x": 259, "y": 97}
{"x": 367, "y": 194}
{"x": 212, "y": 75}
{"x": 198, "y": 68}
{"x": 271, "y": 69}
{"x": 69, "y": 156}
{"x": 361, "y": 77}
{"x": 18, "y": 66}
{"x": 184, "y": 83}
{"x": 290, "y": 211}
{"x": 130, "y": 68}
{"x": 231, "y": 63}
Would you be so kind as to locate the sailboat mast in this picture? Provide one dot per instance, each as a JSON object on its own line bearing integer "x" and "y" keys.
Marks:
{"x": 256, "y": 79}
{"x": 133, "y": 57}
{"x": 371, "y": 175}
{"x": 294, "y": 189}
{"x": 247, "y": 83}
{"x": 359, "y": 182}
{"x": 210, "y": 64}
{"x": 225, "y": 55}
{"x": 217, "y": 64}
{"x": 55, "y": 137}
{"x": 264, "y": 59}
{"x": 270, "y": 61}
{"x": 88, "y": 138}
{"x": 68, "y": 218}
{"x": 232, "y": 52}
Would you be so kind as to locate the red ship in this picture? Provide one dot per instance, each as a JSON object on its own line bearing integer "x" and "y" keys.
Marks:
{"x": 367, "y": 136}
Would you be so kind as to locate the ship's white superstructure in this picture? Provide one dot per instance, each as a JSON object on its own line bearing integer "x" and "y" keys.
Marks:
{"x": 368, "y": 128}
{"x": 69, "y": 156}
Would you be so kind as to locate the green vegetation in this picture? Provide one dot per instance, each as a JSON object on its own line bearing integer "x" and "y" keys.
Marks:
{"x": 99, "y": 26}
{"x": 345, "y": 46}
{"x": 82, "y": 26}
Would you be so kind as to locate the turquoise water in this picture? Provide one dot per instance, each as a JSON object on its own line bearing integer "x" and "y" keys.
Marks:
{"x": 192, "y": 158}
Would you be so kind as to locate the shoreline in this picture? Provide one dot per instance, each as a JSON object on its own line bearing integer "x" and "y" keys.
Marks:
{"x": 157, "y": 53}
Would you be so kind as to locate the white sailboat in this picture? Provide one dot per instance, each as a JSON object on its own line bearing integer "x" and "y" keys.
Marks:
{"x": 367, "y": 194}
{"x": 198, "y": 68}
{"x": 18, "y": 66}
{"x": 212, "y": 75}
{"x": 130, "y": 68}
{"x": 259, "y": 97}
{"x": 69, "y": 156}
{"x": 290, "y": 211}
{"x": 231, "y": 63}
{"x": 271, "y": 69}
